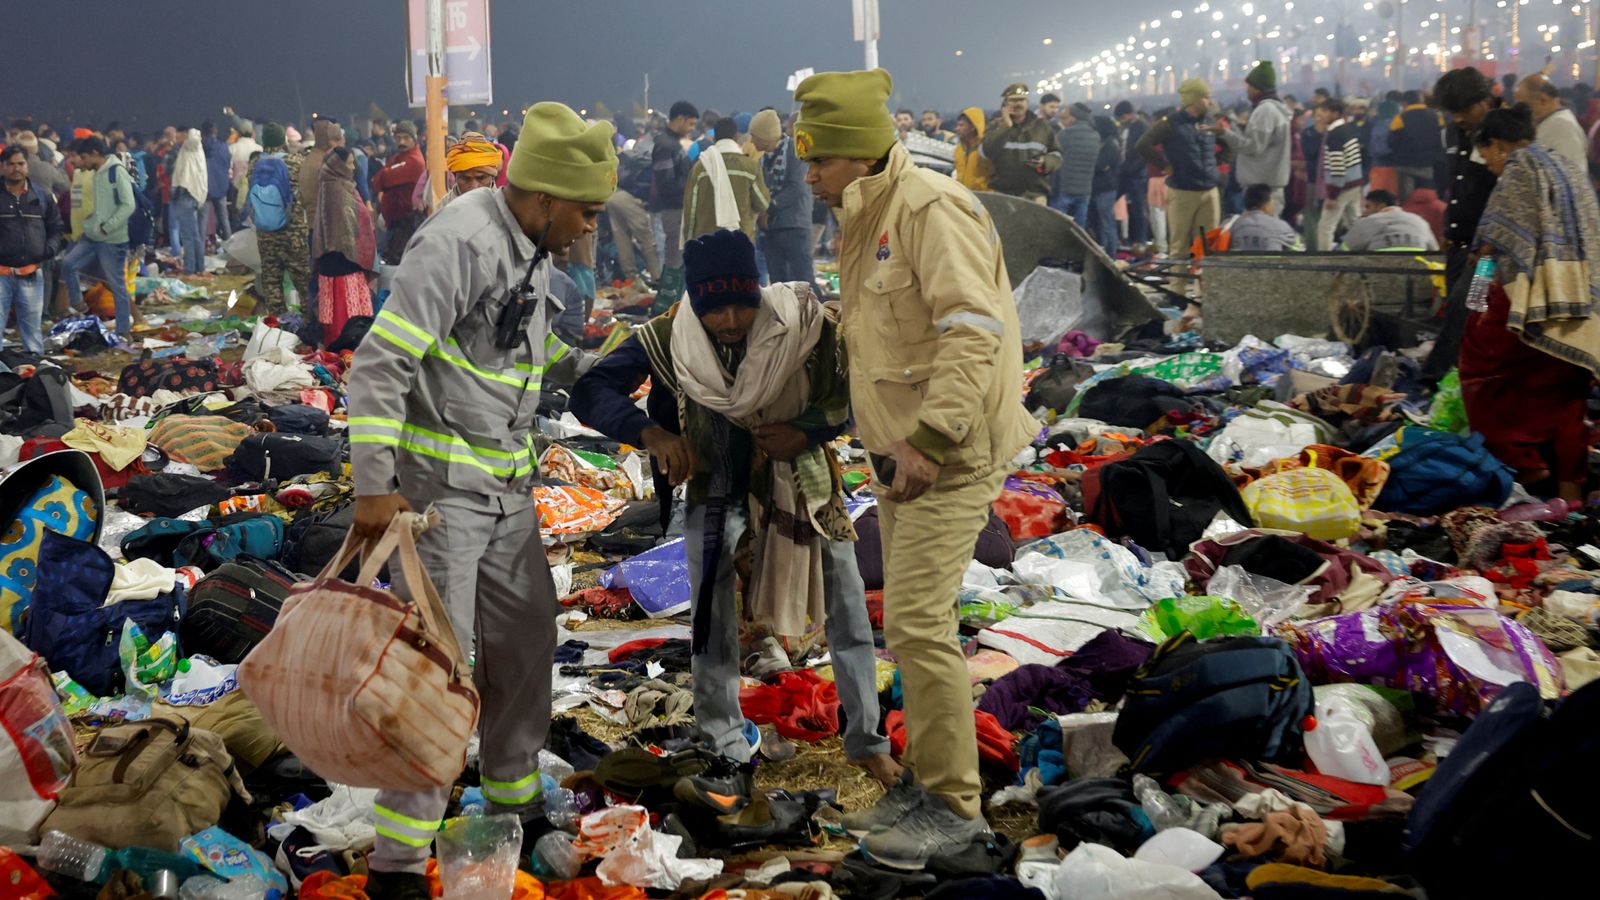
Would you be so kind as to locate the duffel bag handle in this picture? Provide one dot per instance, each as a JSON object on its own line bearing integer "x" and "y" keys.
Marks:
{"x": 424, "y": 595}
{"x": 375, "y": 553}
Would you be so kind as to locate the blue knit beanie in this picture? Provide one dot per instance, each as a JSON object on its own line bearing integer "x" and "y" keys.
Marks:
{"x": 719, "y": 269}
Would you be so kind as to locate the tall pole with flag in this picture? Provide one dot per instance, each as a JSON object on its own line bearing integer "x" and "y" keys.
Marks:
{"x": 435, "y": 88}
{"x": 866, "y": 22}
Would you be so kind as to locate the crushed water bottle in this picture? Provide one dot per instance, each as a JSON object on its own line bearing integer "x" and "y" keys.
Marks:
{"x": 560, "y": 805}
{"x": 555, "y": 857}
{"x": 66, "y": 855}
{"x": 204, "y": 887}
{"x": 1478, "y": 290}
{"x": 1163, "y": 811}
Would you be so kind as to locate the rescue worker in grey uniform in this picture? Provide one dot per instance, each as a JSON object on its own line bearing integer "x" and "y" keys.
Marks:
{"x": 1384, "y": 226}
{"x": 442, "y": 400}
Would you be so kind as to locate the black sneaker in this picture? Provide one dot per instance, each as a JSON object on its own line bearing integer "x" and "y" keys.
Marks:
{"x": 724, "y": 787}
{"x": 397, "y": 886}
{"x": 298, "y": 856}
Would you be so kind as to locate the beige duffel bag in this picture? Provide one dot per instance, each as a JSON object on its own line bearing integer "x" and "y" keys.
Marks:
{"x": 366, "y": 688}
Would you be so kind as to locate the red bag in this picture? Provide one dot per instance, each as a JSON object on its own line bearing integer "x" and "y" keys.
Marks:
{"x": 1031, "y": 510}
{"x": 994, "y": 742}
{"x": 802, "y": 705}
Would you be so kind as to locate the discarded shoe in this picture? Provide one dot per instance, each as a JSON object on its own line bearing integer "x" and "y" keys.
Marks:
{"x": 930, "y": 828}
{"x": 299, "y": 855}
{"x": 397, "y": 886}
{"x": 723, "y": 787}
{"x": 895, "y": 803}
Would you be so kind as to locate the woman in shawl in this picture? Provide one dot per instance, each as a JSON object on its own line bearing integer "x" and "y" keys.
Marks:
{"x": 189, "y": 187}
{"x": 1527, "y": 363}
{"x": 343, "y": 245}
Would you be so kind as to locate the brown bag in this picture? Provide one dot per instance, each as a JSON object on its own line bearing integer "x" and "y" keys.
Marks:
{"x": 366, "y": 688}
{"x": 148, "y": 783}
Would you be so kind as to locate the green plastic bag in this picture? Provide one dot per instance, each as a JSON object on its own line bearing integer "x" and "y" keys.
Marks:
{"x": 1204, "y": 617}
{"x": 1449, "y": 411}
{"x": 146, "y": 665}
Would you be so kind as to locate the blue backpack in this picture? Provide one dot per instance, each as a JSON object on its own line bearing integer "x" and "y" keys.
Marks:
{"x": 1239, "y": 697}
{"x": 1434, "y": 471}
{"x": 270, "y": 194}
{"x": 142, "y": 224}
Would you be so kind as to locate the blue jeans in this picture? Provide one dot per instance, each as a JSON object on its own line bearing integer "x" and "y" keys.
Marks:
{"x": 113, "y": 260}
{"x": 1076, "y": 207}
{"x": 789, "y": 254}
{"x": 1103, "y": 221}
{"x": 849, "y": 630}
{"x": 189, "y": 247}
{"x": 25, "y": 293}
{"x": 217, "y": 208}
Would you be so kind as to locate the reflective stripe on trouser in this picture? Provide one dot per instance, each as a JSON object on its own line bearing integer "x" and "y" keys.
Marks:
{"x": 926, "y": 545}
{"x": 441, "y": 446}
{"x": 478, "y": 558}
{"x": 849, "y": 630}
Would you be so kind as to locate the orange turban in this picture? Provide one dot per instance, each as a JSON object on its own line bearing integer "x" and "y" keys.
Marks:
{"x": 471, "y": 152}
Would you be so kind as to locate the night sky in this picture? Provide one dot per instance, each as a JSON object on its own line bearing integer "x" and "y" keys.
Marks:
{"x": 149, "y": 63}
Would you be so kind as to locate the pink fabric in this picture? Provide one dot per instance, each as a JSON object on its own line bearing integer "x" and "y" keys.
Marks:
{"x": 341, "y": 299}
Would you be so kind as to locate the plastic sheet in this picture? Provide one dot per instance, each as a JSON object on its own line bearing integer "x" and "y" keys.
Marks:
{"x": 658, "y": 579}
{"x": 569, "y": 511}
{"x": 632, "y": 854}
{"x": 1084, "y": 565}
{"x": 37, "y": 755}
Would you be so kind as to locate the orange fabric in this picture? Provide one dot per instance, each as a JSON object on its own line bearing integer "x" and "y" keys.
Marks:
{"x": 22, "y": 271}
{"x": 591, "y": 889}
{"x": 995, "y": 743}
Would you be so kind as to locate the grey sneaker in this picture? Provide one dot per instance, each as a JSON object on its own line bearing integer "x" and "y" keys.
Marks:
{"x": 890, "y": 808}
{"x": 928, "y": 830}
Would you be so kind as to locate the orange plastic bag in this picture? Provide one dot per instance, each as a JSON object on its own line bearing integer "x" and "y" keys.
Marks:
{"x": 18, "y": 880}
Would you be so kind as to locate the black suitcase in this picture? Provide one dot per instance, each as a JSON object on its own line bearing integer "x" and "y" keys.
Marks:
{"x": 233, "y": 608}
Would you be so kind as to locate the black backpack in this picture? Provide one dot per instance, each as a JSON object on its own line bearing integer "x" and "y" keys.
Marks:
{"x": 284, "y": 456}
{"x": 1513, "y": 765}
{"x": 351, "y": 335}
{"x": 314, "y": 539}
{"x": 1163, "y": 496}
{"x": 233, "y": 608}
{"x": 1239, "y": 697}
{"x": 1133, "y": 401}
{"x": 298, "y": 418}
{"x": 168, "y": 495}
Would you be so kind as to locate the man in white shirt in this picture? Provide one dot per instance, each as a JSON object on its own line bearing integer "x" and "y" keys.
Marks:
{"x": 1558, "y": 128}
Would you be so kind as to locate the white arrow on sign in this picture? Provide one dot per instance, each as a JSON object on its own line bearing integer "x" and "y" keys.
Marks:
{"x": 472, "y": 49}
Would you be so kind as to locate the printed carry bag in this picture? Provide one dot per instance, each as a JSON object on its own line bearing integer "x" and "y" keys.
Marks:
{"x": 366, "y": 688}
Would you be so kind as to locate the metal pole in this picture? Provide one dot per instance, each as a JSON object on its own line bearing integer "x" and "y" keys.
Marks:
{"x": 872, "y": 53}
{"x": 435, "y": 83}
{"x": 1399, "y": 46}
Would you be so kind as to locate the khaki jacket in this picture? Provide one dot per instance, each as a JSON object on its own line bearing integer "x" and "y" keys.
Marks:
{"x": 935, "y": 354}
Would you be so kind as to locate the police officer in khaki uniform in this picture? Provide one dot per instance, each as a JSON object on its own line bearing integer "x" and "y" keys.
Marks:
{"x": 935, "y": 361}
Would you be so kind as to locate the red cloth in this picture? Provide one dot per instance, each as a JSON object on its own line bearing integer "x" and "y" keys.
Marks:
{"x": 341, "y": 299}
{"x": 1528, "y": 405}
{"x": 396, "y": 183}
{"x": 994, "y": 742}
{"x": 1425, "y": 202}
{"x": 800, "y": 704}
{"x": 109, "y": 477}
{"x": 622, "y": 651}
{"x": 1031, "y": 510}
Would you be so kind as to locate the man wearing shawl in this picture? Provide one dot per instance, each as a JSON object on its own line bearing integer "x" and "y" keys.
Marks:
{"x": 747, "y": 392}
{"x": 1529, "y": 360}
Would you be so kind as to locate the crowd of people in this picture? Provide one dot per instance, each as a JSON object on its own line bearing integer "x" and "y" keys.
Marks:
{"x": 751, "y": 379}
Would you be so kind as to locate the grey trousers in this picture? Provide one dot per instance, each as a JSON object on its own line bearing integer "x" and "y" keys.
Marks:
{"x": 672, "y": 227}
{"x": 716, "y": 671}
{"x": 630, "y": 225}
{"x": 487, "y": 561}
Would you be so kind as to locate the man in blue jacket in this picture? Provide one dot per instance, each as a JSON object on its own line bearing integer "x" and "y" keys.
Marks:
{"x": 786, "y": 225}
{"x": 219, "y": 162}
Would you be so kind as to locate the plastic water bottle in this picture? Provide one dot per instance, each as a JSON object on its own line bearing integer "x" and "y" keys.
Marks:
{"x": 66, "y": 855}
{"x": 561, "y": 808}
{"x": 1163, "y": 811}
{"x": 1478, "y": 291}
{"x": 556, "y": 858}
